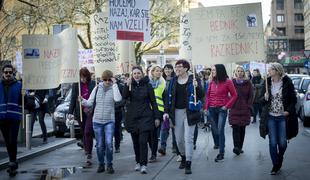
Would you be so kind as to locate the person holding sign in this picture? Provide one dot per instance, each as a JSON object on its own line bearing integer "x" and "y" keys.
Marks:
{"x": 240, "y": 113}
{"x": 220, "y": 97}
{"x": 10, "y": 114}
{"x": 278, "y": 119}
{"x": 158, "y": 83}
{"x": 184, "y": 111}
{"x": 142, "y": 114}
{"x": 102, "y": 99}
{"x": 86, "y": 86}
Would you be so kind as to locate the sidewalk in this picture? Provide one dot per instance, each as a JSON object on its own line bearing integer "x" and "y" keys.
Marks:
{"x": 37, "y": 146}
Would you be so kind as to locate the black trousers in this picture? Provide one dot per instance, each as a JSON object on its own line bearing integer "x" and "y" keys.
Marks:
{"x": 195, "y": 134}
{"x": 257, "y": 109}
{"x": 41, "y": 114}
{"x": 117, "y": 129}
{"x": 153, "y": 140}
{"x": 238, "y": 136}
{"x": 9, "y": 129}
{"x": 139, "y": 140}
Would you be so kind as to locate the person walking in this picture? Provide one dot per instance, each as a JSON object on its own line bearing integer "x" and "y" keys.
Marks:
{"x": 279, "y": 119}
{"x": 10, "y": 114}
{"x": 168, "y": 74}
{"x": 102, "y": 99}
{"x": 86, "y": 124}
{"x": 221, "y": 96}
{"x": 158, "y": 84}
{"x": 183, "y": 112}
{"x": 258, "y": 84}
{"x": 142, "y": 114}
{"x": 119, "y": 108}
{"x": 240, "y": 113}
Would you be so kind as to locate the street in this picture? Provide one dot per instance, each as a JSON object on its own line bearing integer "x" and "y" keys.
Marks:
{"x": 255, "y": 163}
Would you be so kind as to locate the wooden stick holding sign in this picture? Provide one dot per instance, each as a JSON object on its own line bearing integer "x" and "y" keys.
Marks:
{"x": 80, "y": 102}
{"x": 266, "y": 83}
{"x": 194, "y": 79}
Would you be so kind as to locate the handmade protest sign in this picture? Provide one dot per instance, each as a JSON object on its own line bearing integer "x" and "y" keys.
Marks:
{"x": 86, "y": 59}
{"x": 185, "y": 51}
{"x": 49, "y": 60}
{"x": 103, "y": 48}
{"x": 129, "y": 20}
{"x": 126, "y": 56}
{"x": 225, "y": 34}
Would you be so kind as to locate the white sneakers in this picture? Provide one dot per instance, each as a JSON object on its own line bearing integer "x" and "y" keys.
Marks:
{"x": 138, "y": 167}
{"x": 179, "y": 158}
{"x": 143, "y": 170}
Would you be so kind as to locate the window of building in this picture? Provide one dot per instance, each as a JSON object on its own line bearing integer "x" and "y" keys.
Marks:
{"x": 298, "y": 4}
{"x": 282, "y": 31}
{"x": 299, "y": 17}
{"x": 280, "y": 18}
{"x": 299, "y": 30}
{"x": 280, "y": 4}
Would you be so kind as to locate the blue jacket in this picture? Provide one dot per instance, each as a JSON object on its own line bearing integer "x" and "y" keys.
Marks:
{"x": 10, "y": 107}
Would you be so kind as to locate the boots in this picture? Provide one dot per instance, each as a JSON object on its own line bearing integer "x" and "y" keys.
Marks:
{"x": 183, "y": 162}
{"x": 188, "y": 169}
{"x": 12, "y": 170}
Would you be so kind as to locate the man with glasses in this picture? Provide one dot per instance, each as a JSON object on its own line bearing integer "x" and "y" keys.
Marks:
{"x": 10, "y": 114}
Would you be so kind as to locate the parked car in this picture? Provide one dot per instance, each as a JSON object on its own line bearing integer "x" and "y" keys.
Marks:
{"x": 300, "y": 82}
{"x": 60, "y": 116}
{"x": 305, "y": 109}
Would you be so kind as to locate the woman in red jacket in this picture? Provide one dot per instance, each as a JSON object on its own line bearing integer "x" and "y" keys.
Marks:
{"x": 220, "y": 97}
{"x": 240, "y": 113}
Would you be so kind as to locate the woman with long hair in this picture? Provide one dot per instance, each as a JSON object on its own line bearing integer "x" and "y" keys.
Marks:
{"x": 279, "y": 119}
{"x": 240, "y": 113}
{"x": 220, "y": 97}
{"x": 142, "y": 114}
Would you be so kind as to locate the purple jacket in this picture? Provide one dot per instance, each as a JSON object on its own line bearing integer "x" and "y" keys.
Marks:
{"x": 240, "y": 113}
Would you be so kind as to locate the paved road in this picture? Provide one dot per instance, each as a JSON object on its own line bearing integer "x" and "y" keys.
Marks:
{"x": 254, "y": 164}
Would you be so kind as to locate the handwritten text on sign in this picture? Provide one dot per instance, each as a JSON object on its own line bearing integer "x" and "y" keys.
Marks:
{"x": 227, "y": 34}
{"x": 103, "y": 48}
{"x": 185, "y": 34}
{"x": 129, "y": 20}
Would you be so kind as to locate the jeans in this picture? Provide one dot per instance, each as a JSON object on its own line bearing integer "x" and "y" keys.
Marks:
{"x": 184, "y": 134}
{"x": 218, "y": 116}
{"x": 139, "y": 140}
{"x": 164, "y": 134}
{"x": 9, "y": 129}
{"x": 277, "y": 137}
{"x": 104, "y": 141}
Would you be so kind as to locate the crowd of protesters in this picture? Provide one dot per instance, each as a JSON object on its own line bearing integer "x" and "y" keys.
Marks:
{"x": 151, "y": 103}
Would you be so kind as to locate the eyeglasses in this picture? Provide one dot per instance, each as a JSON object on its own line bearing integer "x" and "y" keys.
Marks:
{"x": 8, "y": 72}
{"x": 107, "y": 80}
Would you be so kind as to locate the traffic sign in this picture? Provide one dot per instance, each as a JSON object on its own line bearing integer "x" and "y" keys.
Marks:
{"x": 306, "y": 64}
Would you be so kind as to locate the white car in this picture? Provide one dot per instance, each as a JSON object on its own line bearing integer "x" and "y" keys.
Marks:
{"x": 305, "y": 109}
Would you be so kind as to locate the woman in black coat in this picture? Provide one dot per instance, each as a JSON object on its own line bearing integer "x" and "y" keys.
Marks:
{"x": 278, "y": 118}
{"x": 142, "y": 114}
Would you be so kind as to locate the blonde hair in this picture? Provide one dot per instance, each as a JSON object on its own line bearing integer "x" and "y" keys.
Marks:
{"x": 152, "y": 69}
{"x": 278, "y": 67}
{"x": 244, "y": 74}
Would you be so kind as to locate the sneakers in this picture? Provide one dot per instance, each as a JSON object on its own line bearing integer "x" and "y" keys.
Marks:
{"x": 183, "y": 162}
{"x": 110, "y": 169}
{"x": 219, "y": 158}
{"x": 188, "y": 169}
{"x": 179, "y": 158}
{"x": 137, "y": 167}
{"x": 215, "y": 147}
{"x": 143, "y": 170}
{"x": 80, "y": 144}
{"x": 162, "y": 151}
{"x": 237, "y": 151}
{"x": 275, "y": 169}
{"x": 88, "y": 160}
{"x": 152, "y": 159}
{"x": 100, "y": 169}
{"x": 117, "y": 150}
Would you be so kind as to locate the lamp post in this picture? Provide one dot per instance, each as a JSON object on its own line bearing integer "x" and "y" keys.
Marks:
{"x": 161, "y": 57}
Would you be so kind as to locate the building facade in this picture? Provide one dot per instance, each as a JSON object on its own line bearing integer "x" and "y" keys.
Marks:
{"x": 286, "y": 42}
{"x": 307, "y": 23}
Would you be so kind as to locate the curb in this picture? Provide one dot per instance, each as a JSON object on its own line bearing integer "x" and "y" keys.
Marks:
{"x": 38, "y": 151}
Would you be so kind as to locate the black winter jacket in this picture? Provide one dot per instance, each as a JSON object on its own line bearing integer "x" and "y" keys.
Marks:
{"x": 193, "y": 117}
{"x": 289, "y": 102}
{"x": 74, "y": 107}
{"x": 141, "y": 107}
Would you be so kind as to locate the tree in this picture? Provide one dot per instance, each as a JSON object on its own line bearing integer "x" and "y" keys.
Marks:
{"x": 37, "y": 16}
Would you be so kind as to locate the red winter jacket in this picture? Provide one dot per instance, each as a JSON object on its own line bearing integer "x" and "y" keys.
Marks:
{"x": 221, "y": 94}
{"x": 240, "y": 113}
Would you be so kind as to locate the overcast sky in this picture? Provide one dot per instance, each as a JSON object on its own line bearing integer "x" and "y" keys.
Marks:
{"x": 265, "y": 5}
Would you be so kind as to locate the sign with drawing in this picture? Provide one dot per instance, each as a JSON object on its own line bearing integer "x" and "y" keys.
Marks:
{"x": 225, "y": 34}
